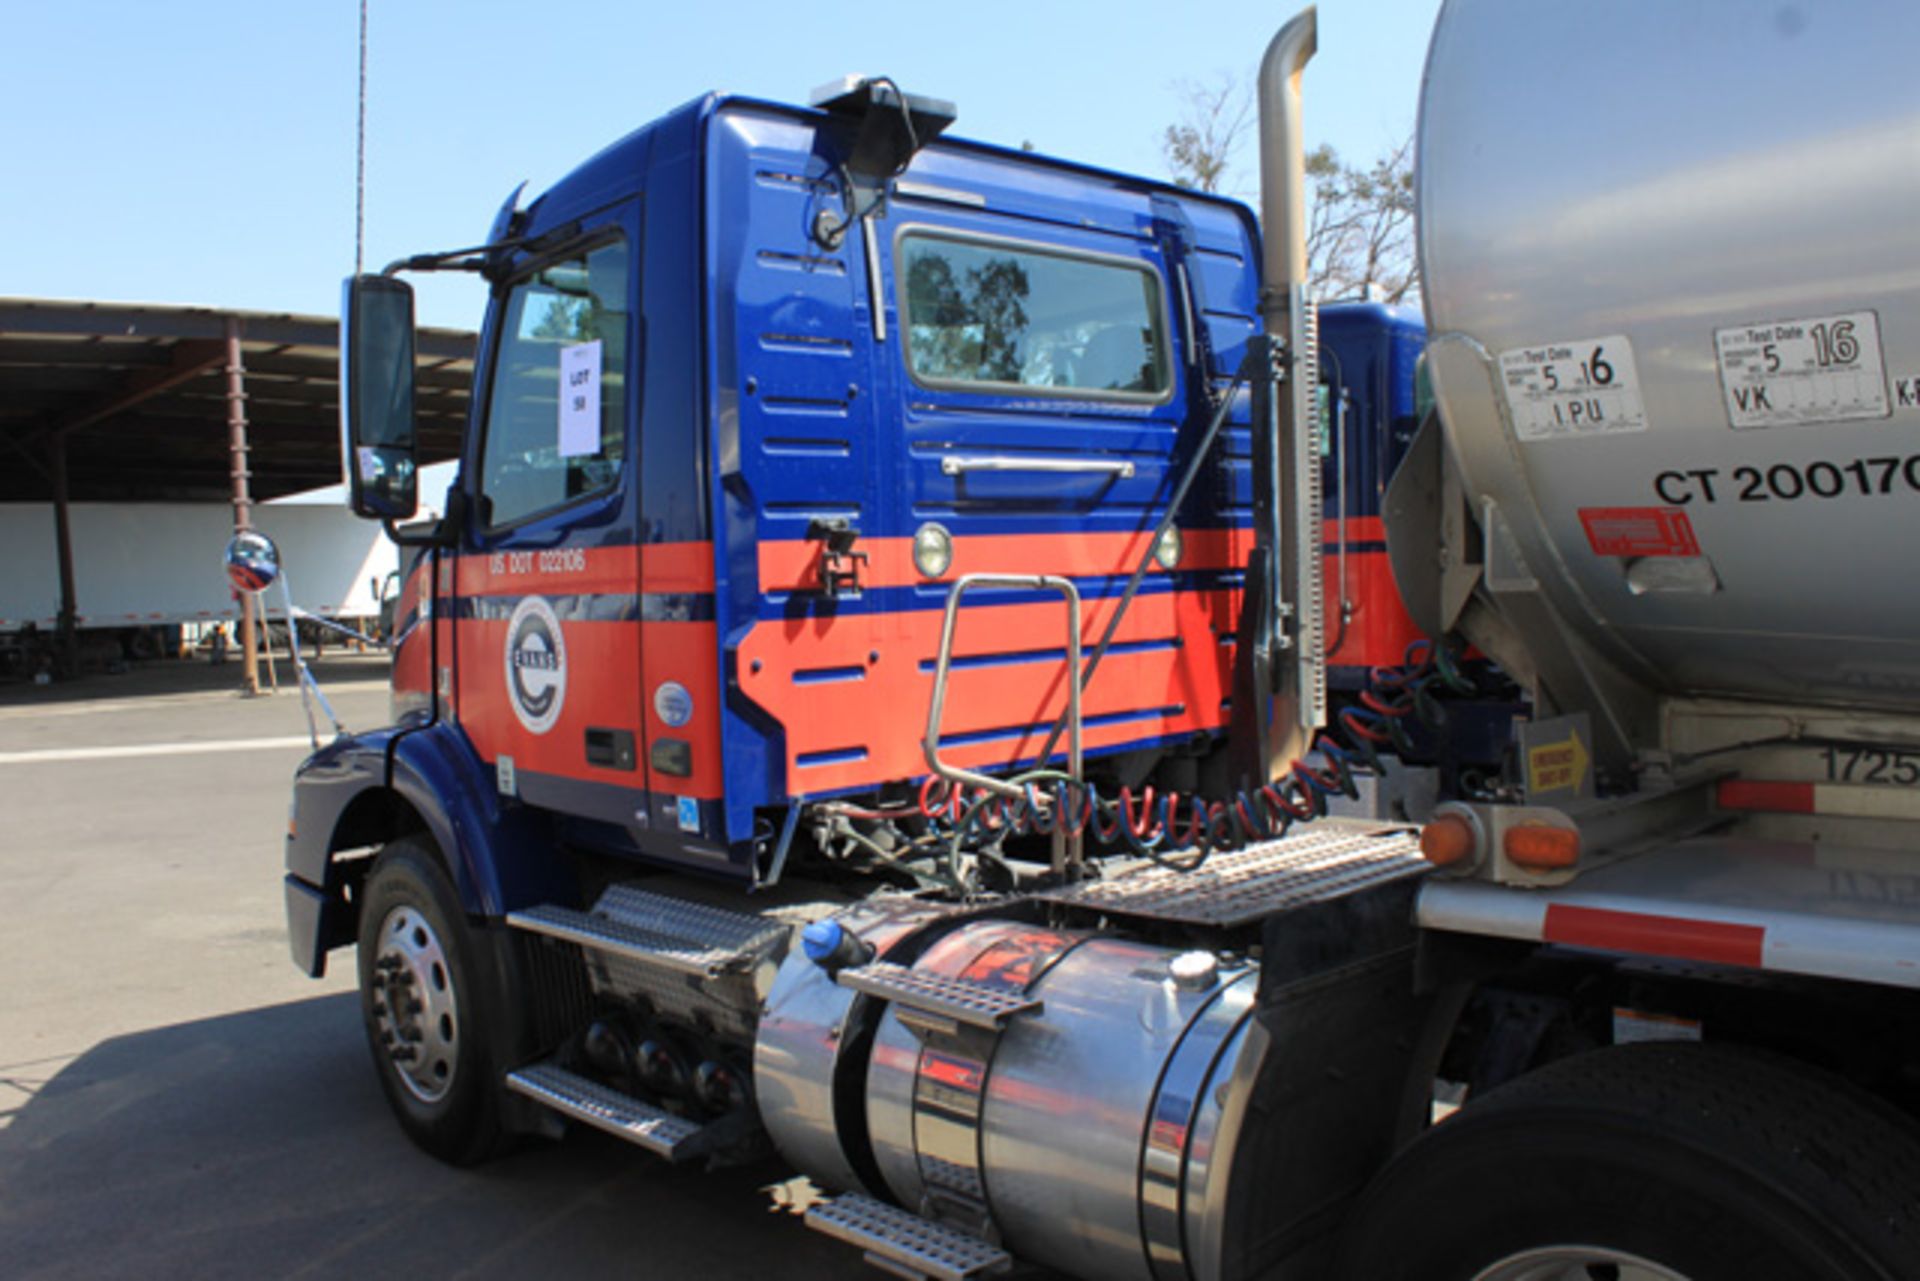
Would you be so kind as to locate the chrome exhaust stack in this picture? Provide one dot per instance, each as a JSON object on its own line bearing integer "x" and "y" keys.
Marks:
{"x": 1290, "y": 526}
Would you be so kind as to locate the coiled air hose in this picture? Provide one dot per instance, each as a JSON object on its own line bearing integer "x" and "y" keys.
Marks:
{"x": 1153, "y": 822}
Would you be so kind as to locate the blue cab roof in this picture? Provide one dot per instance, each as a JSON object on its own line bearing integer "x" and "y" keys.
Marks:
{"x": 616, "y": 170}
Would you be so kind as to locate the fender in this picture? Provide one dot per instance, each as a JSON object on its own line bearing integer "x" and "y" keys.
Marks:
{"x": 498, "y": 851}
{"x": 340, "y": 801}
{"x": 366, "y": 789}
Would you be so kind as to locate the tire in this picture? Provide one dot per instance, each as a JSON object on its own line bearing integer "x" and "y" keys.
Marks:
{"x": 1651, "y": 1163}
{"x": 424, "y": 1000}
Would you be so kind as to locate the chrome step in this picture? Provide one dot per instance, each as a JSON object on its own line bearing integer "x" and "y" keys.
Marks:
{"x": 906, "y": 1244}
{"x": 952, "y": 1000}
{"x": 623, "y": 1116}
{"x": 654, "y": 929}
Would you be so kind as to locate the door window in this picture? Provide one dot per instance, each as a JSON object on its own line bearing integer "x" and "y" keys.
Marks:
{"x": 556, "y": 413}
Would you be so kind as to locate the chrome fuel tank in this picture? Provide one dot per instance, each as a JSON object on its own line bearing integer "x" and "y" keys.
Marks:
{"x": 1084, "y": 1134}
{"x": 1671, "y": 268}
{"x": 810, "y": 1042}
{"x": 1094, "y": 1134}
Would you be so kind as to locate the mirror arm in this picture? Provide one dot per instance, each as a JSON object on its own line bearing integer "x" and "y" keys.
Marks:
{"x": 444, "y": 532}
{"x": 469, "y": 259}
{"x": 489, "y": 259}
{"x": 421, "y": 533}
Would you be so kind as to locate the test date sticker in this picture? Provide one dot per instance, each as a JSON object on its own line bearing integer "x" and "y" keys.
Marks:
{"x": 1807, "y": 370}
{"x": 1573, "y": 389}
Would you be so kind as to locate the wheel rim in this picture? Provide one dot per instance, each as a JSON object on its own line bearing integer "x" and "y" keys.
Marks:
{"x": 413, "y": 1005}
{"x": 1577, "y": 1263}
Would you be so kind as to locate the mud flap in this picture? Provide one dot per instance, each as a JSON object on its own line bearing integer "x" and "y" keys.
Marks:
{"x": 1247, "y": 737}
{"x": 1346, "y": 1032}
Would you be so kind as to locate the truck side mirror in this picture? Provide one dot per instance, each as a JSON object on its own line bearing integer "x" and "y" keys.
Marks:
{"x": 376, "y": 397}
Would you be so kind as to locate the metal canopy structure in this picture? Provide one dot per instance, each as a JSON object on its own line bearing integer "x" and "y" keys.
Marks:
{"x": 110, "y": 402}
{"x": 139, "y": 396}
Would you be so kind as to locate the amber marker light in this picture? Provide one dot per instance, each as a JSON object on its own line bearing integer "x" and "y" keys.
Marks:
{"x": 1542, "y": 849}
{"x": 1447, "y": 840}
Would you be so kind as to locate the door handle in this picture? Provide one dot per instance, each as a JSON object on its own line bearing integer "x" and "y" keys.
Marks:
{"x": 960, "y": 464}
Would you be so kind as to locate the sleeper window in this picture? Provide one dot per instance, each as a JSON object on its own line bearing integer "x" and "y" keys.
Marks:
{"x": 1014, "y": 316}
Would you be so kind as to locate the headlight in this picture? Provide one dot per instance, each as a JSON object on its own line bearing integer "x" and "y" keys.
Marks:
{"x": 932, "y": 550}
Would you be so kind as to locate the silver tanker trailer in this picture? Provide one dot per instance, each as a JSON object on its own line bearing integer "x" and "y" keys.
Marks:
{"x": 1671, "y": 269}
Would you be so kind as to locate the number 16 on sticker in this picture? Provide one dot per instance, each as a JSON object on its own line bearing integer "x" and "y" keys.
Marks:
{"x": 1582, "y": 387}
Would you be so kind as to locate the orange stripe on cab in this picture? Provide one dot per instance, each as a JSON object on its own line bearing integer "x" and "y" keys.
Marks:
{"x": 794, "y": 565}
{"x": 568, "y": 571}
{"x": 852, "y": 691}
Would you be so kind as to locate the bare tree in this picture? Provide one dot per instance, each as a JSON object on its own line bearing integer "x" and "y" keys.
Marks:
{"x": 1360, "y": 228}
{"x": 1360, "y": 225}
{"x": 1200, "y": 146}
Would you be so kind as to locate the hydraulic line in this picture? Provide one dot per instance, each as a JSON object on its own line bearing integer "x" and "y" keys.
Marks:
{"x": 1153, "y": 822}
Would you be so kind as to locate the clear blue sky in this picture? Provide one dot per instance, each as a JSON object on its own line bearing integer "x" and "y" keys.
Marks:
{"x": 202, "y": 151}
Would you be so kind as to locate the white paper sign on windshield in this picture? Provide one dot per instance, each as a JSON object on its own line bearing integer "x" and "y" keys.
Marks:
{"x": 580, "y": 399}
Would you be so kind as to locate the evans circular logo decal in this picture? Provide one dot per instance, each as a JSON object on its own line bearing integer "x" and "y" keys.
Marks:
{"x": 536, "y": 664}
{"x": 672, "y": 704}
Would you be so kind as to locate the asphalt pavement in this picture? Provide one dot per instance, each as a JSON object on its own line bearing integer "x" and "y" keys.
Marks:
{"x": 177, "y": 1100}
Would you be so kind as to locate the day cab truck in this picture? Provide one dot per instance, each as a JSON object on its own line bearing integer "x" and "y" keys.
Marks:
{"x": 939, "y": 664}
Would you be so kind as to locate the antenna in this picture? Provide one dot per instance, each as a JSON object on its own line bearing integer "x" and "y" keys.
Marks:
{"x": 360, "y": 155}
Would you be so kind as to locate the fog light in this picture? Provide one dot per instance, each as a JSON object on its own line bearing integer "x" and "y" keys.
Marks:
{"x": 932, "y": 550}
{"x": 1169, "y": 548}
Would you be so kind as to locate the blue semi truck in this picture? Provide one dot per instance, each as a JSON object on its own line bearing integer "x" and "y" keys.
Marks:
{"x": 941, "y": 665}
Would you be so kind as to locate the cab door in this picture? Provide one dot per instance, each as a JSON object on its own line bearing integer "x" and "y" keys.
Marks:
{"x": 548, "y": 634}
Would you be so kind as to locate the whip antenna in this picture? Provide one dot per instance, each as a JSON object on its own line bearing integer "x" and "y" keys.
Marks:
{"x": 360, "y": 154}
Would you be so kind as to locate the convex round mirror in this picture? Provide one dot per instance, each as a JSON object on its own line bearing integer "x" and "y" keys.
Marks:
{"x": 253, "y": 562}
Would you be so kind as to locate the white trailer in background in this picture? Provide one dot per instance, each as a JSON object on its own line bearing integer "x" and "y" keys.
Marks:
{"x": 140, "y": 568}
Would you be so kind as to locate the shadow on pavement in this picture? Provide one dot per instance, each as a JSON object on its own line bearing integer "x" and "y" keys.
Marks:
{"x": 258, "y": 1145}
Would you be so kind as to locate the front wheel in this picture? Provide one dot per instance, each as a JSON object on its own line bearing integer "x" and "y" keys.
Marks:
{"x": 422, "y": 1001}
{"x": 1651, "y": 1163}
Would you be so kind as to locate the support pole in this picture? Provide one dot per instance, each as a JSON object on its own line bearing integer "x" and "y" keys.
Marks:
{"x": 242, "y": 497}
{"x": 68, "y": 625}
{"x": 266, "y": 639}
